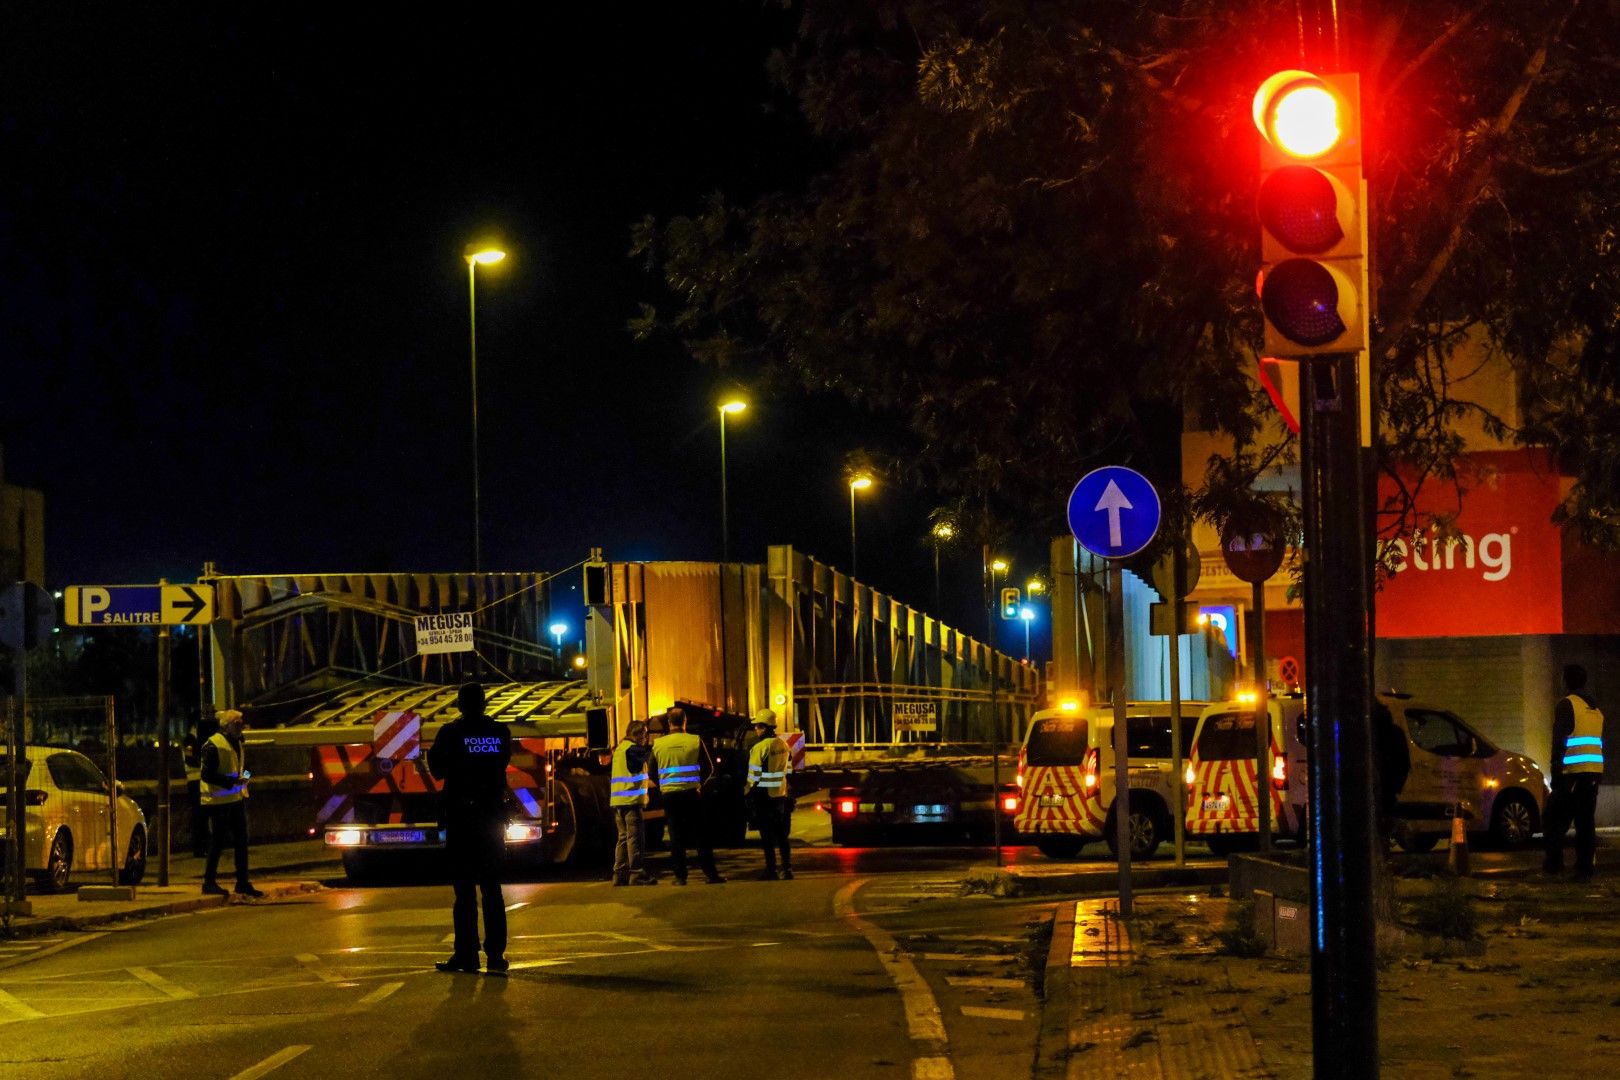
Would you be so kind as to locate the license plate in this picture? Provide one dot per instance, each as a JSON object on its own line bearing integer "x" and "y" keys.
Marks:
{"x": 398, "y": 836}
{"x": 1050, "y": 801}
{"x": 1218, "y": 804}
{"x": 924, "y": 813}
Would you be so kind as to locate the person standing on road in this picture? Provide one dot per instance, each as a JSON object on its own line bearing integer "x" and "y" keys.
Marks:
{"x": 628, "y": 795}
{"x": 769, "y": 799}
{"x": 1577, "y": 770}
{"x": 680, "y": 759}
{"x": 224, "y": 777}
{"x": 469, "y": 759}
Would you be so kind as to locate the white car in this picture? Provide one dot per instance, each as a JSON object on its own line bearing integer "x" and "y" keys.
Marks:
{"x": 67, "y": 828}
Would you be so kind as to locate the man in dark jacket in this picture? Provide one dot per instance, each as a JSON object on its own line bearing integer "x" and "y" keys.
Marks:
{"x": 469, "y": 759}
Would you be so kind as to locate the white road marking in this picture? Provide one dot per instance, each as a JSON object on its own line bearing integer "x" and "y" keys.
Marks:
{"x": 51, "y": 950}
{"x": 314, "y": 966}
{"x": 270, "y": 1064}
{"x": 377, "y": 995}
{"x": 519, "y": 904}
{"x": 955, "y": 958}
{"x": 923, "y": 1020}
{"x": 12, "y": 1009}
{"x": 160, "y": 984}
{"x": 992, "y": 1014}
{"x": 985, "y": 984}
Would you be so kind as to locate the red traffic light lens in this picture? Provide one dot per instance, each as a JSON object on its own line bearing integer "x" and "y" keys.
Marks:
{"x": 1304, "y": 120}
{"x": 1301, "y": 299}
{"x": 1299, "y": 206}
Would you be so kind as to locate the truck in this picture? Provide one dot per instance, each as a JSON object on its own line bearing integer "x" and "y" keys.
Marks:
{"x": 376, "y": 803}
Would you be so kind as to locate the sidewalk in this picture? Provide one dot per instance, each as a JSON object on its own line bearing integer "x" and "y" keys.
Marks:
{"x": 277, "y": 870}
{"x": 1161, "y": 996}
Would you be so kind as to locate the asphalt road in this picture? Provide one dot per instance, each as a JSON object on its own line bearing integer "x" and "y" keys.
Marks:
{"x": 870, "y": 963}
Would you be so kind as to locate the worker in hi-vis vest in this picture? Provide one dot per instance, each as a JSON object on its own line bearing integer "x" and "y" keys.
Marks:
{"x": 223, "y": 798}
{"x": 769, "y": 798}
{"x": 678, "y": 760}
{"x": 1577, "y": 770}
{"x": 627, "y": 792}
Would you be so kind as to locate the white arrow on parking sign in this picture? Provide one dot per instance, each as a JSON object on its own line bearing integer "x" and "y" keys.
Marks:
{"x": 1113, "y": 500}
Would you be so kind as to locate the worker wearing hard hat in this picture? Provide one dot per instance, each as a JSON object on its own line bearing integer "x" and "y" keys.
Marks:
{"x": 769, "y": 799}
{"x": 679, "y": 759}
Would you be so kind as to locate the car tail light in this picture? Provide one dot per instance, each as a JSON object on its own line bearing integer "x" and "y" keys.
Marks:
{"x": 345, "y": 837}
{"x": 1091, "y": 768}
{"x": 1009, "y": 802}
{"x": 846, "y": 807}
{"x": 1279, "y": 773}
{"x": 519, "y": 832}
{"x": 1189, "y": 774}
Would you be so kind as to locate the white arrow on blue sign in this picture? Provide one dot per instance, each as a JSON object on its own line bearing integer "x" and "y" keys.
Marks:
{"x": 1114, "y": 512}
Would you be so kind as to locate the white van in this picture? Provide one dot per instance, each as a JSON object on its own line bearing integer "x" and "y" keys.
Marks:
{"x": 1453, "y": 768}
{"x": 1066, "y": 776}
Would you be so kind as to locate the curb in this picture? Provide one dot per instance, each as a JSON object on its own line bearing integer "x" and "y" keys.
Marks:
{"x": 36, "y": 926}
{"x": 1052, "y": 1041}
{"x": 1087, "y": 881}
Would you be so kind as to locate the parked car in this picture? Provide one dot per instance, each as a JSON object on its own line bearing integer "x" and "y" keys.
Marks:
{"x": 1453, "y": 768}
{"x": 66, "y": 826}
{"x": 1066, "y": 776}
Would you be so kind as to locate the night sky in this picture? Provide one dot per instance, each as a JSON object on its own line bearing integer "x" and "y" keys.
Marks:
{"x": 233, "y": 320}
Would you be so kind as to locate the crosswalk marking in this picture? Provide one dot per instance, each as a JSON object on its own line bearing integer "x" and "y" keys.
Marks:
{"x": 160, "y": 984}
{"x": 270, "y": 1064}
{"x": 953, "y": 958}
{"x": 976, "y": 983}
{"x": 314, "y": 966}
{"x": 983, "y": 1013}
{"x": 378, "y": 994}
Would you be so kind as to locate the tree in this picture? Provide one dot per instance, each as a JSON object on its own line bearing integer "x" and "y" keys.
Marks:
{"x": 1027, "y": 229}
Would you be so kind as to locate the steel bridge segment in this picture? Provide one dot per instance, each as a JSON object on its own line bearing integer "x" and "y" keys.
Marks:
{"x": 553, "y": 709}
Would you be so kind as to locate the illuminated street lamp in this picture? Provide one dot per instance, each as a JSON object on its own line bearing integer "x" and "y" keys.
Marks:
{"x": 477, "y": 255}
{"x": 727, "y": 407}
{"x": 1026, "y": 613}
{"x": 943, "y": 532}
{"x": 558, "y": 629}
{"x": 858, "y": 482}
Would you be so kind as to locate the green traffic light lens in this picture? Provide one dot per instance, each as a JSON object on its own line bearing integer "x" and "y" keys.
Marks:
{"x": 1300, "y": 207}
{"x": 1301, "y": 300}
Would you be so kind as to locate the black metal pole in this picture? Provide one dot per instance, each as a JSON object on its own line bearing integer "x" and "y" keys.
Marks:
{"x": 1262, "y": 710}
{"x": 1122, "y": 769}
{"x": 165, "y": 748}
{"x": 1178, "y": 578}
{"x": 17, "y": 805}
{"x": 1344, "y": 975}
{"x": 990, "y": 601}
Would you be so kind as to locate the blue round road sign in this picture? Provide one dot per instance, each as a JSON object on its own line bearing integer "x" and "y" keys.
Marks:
{"x": 1114, "y": 512}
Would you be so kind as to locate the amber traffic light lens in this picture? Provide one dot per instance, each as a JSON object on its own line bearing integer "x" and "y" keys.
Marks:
{"x": 1299, "y": 206}
{"x": 1301, "y": 300}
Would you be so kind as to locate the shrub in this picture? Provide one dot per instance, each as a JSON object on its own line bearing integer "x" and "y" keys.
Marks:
{"x": 1446, "y": 910}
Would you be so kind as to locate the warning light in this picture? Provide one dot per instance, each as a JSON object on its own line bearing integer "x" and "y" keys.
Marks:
{"x": 846, "y": 807}
{"x": 1070, "y": 705}
{"x": 1279, "y": 774}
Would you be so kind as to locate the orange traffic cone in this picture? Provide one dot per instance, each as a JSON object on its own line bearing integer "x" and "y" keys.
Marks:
{"x": 1458, "y": 861}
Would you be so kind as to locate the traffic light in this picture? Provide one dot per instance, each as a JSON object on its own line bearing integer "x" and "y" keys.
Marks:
{"x": 1313, "y": 214}
{"x": 1009, "y": 603}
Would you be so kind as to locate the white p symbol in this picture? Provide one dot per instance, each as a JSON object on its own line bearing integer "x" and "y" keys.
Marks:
{"x": 92, "y": 601}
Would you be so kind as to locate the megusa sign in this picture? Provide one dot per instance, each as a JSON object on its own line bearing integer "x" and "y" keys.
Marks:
{"x": 1498, "y": 570}
{"x": 447, "y": 633}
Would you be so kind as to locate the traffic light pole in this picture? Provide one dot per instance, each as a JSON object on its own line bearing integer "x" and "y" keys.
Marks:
{"x": 1344, "y": 975}
{"x": 1122, "y": 768}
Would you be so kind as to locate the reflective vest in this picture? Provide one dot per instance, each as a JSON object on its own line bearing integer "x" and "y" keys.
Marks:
{"x": 230, "y": 763}
{"x": 676, "y": 756}
{"x": 627, "y": 788}
{"x": 1583, "y": 750}
{"x": 768, "y": 767}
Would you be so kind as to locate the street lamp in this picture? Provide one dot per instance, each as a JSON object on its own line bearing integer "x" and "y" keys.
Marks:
{"x": 859, "y": 482}
{"x": 730, "y": 406}
{"x": 943, "y": 532}
{"x": 1026, "y": 613}
{"x": 477, "y": 255}
{"x": 558, "y": 629}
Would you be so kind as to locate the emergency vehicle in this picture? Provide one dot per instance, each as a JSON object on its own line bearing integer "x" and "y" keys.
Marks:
{"x": 1453, "y": 771}
{"x": 1066, "y": 776}
{"x": 378, "y": 804}
{"x": 1222, "y": 801}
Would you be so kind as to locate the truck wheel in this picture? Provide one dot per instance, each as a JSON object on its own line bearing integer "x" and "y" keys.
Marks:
{"x": 1060, "y": 847}
{"x": 1513, "y": 820}
{"x": 1147, "y": 831}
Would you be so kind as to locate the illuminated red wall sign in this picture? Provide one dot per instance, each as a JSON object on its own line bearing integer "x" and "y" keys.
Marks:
{"x": 1500, "y": 573}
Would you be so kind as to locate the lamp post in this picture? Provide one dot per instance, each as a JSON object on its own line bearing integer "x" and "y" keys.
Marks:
{"x": 943, "y": 532}
{"x": 476, "y": 255}
{"x": 859, "y": 482}
{"x": 991, "y": 601}
{"x": 732, "y": 405}
{"x": 1026, "y": 613}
